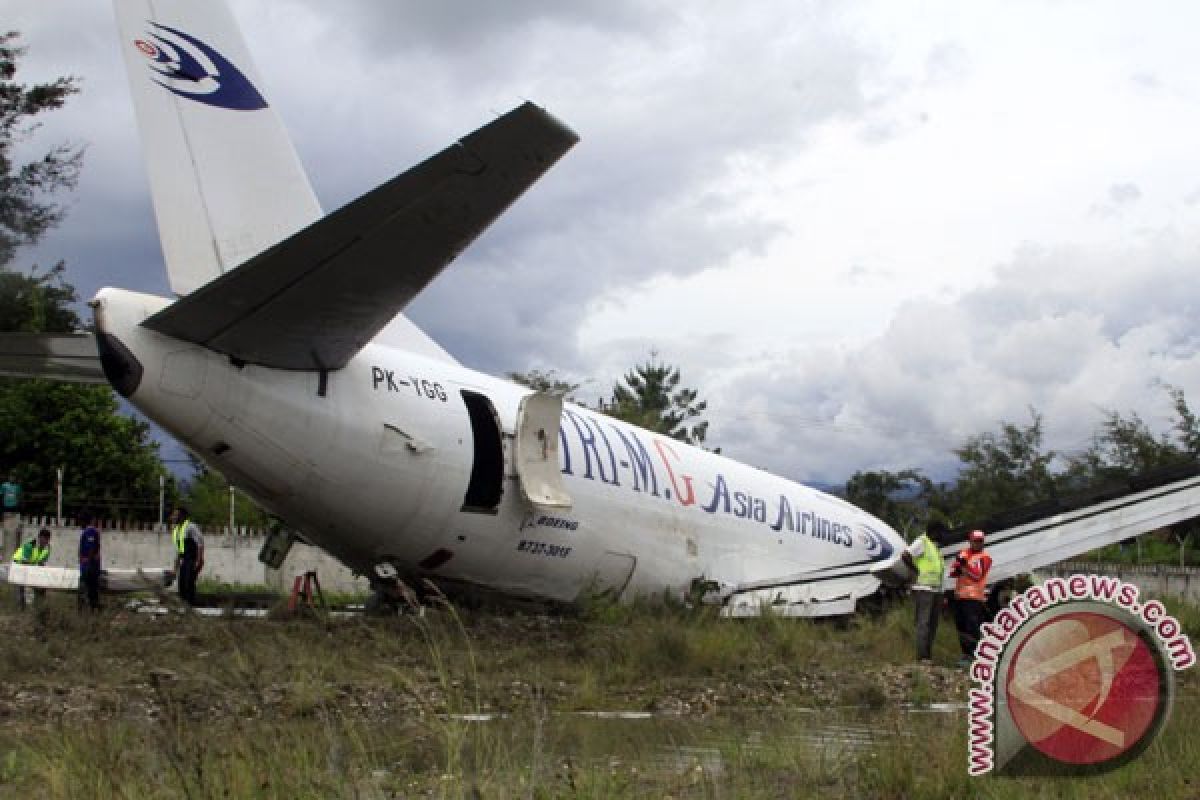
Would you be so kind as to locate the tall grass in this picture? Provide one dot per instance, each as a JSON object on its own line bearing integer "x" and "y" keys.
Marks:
{"x": 124, "y": 705}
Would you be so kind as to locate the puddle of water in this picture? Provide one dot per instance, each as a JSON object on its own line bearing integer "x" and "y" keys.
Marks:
{"x": 654, "y": 749}
{"x": 670, "y": 743}
{"x": 618, "y": 714}
{"x": 936, "y": 708}
{"x": 491, "y": 716}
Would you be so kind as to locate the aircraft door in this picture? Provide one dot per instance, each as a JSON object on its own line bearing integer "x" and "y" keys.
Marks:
{"x": 486, "y": 485}
{"x": 537, "y": 451}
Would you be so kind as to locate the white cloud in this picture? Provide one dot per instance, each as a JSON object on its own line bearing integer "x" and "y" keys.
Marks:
{"x": 1069, "y": 332}
{"x": 864, "y": 231}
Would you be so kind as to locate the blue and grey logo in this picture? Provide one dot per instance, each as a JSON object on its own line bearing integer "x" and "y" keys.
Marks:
{"x": 878, "y": 547}
{"x": 190, "y": 68}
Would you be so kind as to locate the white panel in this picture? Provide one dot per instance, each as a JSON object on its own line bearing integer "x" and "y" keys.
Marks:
{"x": 135, "y": 580}
{"x": 67, "y": 578}
{"x": 537, "y": 451}
{"x": 43, "y": 577}
{"x": 823, "y": 599}
{"x": 183, "y": 372}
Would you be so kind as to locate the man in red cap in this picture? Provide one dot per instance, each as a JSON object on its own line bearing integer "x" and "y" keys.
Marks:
{"x": 970, "y": 570}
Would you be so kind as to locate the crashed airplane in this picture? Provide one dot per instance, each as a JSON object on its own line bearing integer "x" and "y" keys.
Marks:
{"x": 270, "y": 366}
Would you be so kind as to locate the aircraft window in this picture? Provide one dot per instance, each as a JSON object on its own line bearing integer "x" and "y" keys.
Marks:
{"x": 487, "y": 472}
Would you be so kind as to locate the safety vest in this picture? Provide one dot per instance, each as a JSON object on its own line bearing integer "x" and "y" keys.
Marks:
{"x": 930, "y": 567}
{"x": 179, "y": 536}
{"x": 30, "y": 553}
{"x": 966, "y": 587}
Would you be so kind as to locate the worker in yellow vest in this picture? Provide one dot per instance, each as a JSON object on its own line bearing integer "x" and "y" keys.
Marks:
{"x": 35, "y": 552}
{"x": 925, "y": 559}
{"x": 189, "y": 552}
{"x": 970, "y": 571}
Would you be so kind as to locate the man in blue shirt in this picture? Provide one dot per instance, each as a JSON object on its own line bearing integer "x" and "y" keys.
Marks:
{"x": 89, "y": 562}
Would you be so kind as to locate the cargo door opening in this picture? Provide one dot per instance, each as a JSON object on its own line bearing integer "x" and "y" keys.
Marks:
{"x": 487, "y": 470}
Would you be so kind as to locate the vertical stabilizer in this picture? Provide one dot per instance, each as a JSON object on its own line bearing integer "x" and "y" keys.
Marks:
{"x": 224, "y": 176}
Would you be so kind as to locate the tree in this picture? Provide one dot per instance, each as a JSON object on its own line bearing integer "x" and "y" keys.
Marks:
{"x": 650, "y": 397}
{"x": 898, "y": 498}
{"x": 32, "y": 303}
{"x": 1187, "y": 426}
{"x": 546, "y": 381}
{"x": 26, "y": 210}
{"x": 1121, "y": 448}
{"x": 111, "y": 464}
{"x": 1124, "y": 447}
{"x": 1001, "y": 472}
{"x": 207, "y": 499}
{"x": 36, "y": 303}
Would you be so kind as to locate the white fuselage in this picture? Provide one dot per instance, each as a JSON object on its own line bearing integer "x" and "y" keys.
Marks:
{"x": 377, "y": 463}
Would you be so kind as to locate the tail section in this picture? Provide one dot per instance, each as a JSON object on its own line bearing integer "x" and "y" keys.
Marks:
{"x": 224, "y": 176}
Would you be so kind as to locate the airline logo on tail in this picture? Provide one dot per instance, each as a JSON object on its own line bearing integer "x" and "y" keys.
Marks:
{"x": 188, "y": 67}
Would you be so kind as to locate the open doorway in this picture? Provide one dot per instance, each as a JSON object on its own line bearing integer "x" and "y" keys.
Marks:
{"x": 487, "y": 471}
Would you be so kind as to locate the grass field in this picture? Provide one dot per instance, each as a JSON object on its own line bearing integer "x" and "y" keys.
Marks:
{"x": 458, "y": 704}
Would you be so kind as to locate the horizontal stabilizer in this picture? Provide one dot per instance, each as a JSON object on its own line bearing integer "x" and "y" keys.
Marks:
{"x": 315, "y": 299}
{"x": 57, "y": 356}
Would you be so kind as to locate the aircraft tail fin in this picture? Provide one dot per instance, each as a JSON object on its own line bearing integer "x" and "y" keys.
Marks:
{"x": 225, "y": 179}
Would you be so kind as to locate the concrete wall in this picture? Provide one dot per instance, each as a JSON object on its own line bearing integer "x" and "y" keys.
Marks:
{"x": 1182, "y": 583}
{"x": 228, "y": 559}
{"x": 234, "y": 559}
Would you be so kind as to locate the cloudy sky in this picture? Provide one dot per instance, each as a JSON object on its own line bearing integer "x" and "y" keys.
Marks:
{"x": 864, "y": 230}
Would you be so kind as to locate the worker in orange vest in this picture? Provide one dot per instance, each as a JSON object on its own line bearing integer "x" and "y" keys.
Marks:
{"x": 970, "y": 571}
